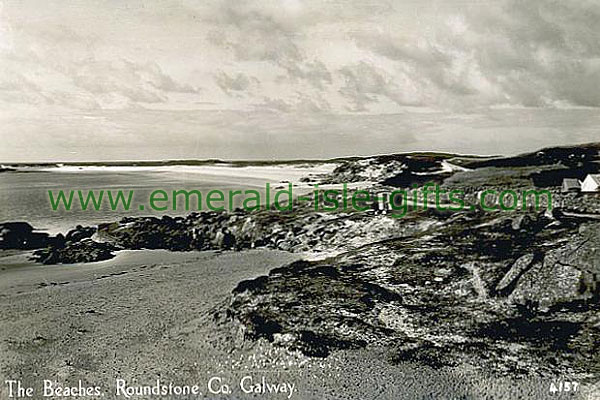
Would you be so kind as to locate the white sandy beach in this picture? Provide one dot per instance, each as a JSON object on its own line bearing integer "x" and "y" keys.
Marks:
{"x": 24, "y": 194}
{"x": 289, "y": 172}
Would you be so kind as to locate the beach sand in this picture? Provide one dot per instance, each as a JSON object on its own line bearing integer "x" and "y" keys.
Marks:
{"x": 148, "y": 315}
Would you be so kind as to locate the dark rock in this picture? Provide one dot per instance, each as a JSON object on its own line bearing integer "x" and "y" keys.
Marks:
{"x": 314, "y": 345}
{"x": 251, "y": 285}
{"x": 80, "y": 233}
{"x": 149, "y": 233}
{"x": 21, "y": 236}
{"x": 82, "y": 251}
{"x": 262, "y": 327}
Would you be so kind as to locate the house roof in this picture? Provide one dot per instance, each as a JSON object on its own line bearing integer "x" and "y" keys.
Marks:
{"x": 595, "y": 178}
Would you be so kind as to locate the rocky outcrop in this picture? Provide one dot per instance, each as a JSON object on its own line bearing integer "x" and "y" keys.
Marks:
{"x": 80, "y": 233}
{"x": 566, "y": 274}
{"x": 22, "y": 236}
{"x": 394, "y": 170}
{"x": 149, "y": 233}
{"x": 292, "y": 231}
{"x": 83, "y": 251}
{"x": 289, "y": 231}
{"x": 512, "y": 294}
{"x": 76, "y": 247}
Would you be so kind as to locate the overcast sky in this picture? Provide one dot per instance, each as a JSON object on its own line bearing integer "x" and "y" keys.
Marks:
{"x": 115, "y": 79}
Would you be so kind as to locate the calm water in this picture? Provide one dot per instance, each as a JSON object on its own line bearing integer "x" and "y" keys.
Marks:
{"x": 24, "y": 195}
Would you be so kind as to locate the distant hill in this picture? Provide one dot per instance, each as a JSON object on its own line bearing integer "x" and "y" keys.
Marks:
{"x": 543, "y": 168}
{"x": 569, "y": 156}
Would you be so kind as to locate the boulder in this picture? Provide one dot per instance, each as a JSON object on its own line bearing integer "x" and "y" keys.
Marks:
{"x": 21, "y": 236}
{"x": 82, "y": 251}
{"x": 80, "y": 233}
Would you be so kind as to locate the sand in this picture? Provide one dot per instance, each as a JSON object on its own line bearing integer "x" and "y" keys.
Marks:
{"x": 148, "y": 315}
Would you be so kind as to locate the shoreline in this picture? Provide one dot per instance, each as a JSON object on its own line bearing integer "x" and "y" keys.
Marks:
{"x": 141, "y": 180}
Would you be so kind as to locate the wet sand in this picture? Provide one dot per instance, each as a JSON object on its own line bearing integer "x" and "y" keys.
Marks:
{"x": 148, "y": 315}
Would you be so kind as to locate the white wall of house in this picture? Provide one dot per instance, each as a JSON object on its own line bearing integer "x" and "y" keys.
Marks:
{"x": 591, "y": 183}
{"x": 571, "y": 185}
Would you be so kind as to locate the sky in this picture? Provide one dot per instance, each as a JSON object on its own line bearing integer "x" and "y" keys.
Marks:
{"x": 280, "y": 79}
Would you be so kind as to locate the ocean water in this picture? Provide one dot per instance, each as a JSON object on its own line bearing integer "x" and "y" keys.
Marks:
{"x": 24, "y": 194}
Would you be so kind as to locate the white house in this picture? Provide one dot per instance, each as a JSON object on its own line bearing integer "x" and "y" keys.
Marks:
{"x": 591, "y": 184}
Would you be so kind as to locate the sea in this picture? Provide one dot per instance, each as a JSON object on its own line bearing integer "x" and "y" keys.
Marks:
{"x": 24, "y": 193}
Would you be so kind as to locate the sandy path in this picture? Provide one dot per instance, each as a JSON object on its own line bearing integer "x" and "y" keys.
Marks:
{"x": 136, "y": 316}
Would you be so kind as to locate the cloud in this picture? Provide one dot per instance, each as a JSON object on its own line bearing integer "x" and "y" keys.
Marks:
{"x": 550, "y": 52}
{"x": 254, "y": 33}
{"x": 510, "y": 53}
{"x": 300, "y": 104}
{"x": 365, "y": 84}
{"x": 315, "y": 73}
{"x": 237, "y": 83}
{"x": 274, "y": 105}
{"x": 91, "y": 82}
{"x": 56, "y": 65}
{"x": 536, "y": 54}
{"x": 359, "y": 56}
